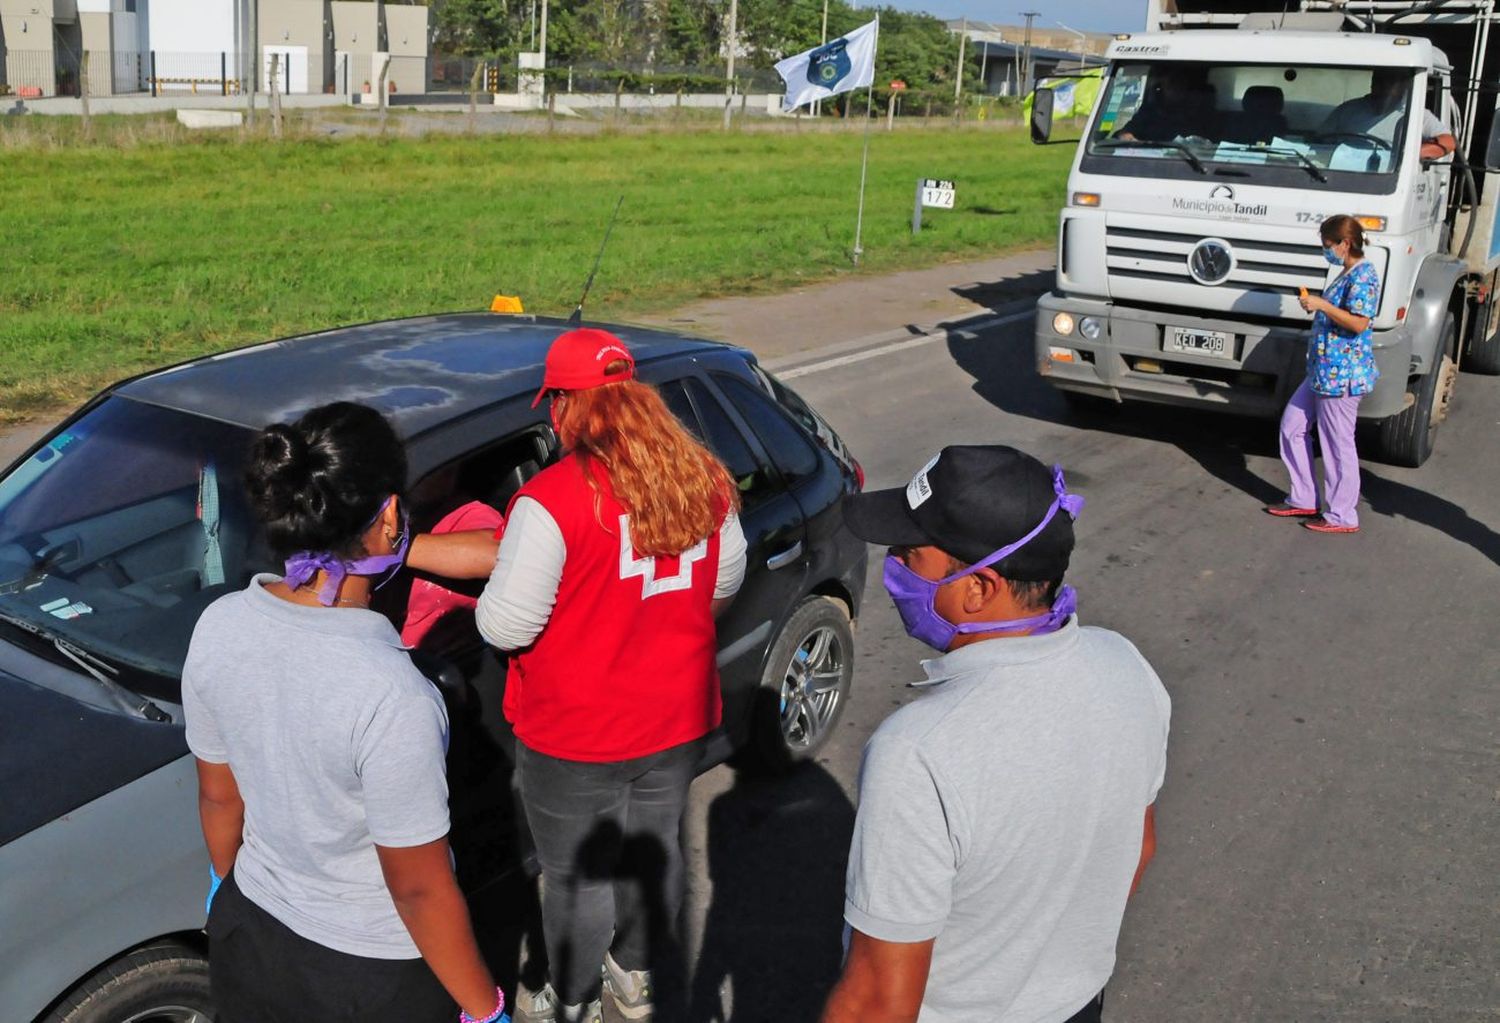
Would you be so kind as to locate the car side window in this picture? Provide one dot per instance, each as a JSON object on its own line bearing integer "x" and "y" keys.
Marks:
{"x": 702, "y": 414}
{"x": 788, "y": 447}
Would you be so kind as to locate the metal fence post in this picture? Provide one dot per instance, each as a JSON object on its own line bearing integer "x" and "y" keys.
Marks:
{"x": 474, "y": 93}
{"x": 83, "y": 93}
{"x": 154, "y": 88}
{"x": 223, "y": 73}
{"x": 275, "y": 96}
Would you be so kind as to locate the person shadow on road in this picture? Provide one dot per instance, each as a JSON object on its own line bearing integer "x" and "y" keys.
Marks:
{"x": 777, "y": 848}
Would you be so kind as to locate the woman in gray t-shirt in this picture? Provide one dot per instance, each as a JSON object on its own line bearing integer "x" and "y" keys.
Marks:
{"x": 321, "y": 776}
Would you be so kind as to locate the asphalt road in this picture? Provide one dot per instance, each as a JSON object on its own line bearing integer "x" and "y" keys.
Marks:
{"x": 1327, "y": 829}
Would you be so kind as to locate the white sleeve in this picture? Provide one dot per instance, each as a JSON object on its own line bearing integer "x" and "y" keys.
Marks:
{"x": 731, "y": 558}
{"x": 518, "y": 599}
{"x": 1433, "y": 126}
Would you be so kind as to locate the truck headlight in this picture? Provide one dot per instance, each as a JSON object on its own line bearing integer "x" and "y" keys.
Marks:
{"x": 1062, "y": 324}
{"x": 1090, "y": 328}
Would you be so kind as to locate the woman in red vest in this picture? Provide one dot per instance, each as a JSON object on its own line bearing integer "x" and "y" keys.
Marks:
{"x": 612, "y": 567}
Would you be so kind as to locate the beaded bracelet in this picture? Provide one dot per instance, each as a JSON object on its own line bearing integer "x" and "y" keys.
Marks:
{"x": 498, "y": 1016}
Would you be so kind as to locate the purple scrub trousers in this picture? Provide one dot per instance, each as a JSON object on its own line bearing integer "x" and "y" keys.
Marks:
{"x": 1334, "y": 418}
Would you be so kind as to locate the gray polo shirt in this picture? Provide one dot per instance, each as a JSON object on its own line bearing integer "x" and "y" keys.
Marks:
{"x": 1002, "y": 813}
{"x": 337, "y": 743}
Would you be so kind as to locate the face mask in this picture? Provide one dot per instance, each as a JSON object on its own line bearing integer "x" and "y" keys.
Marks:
{"x": 1333, "y": 257}
{"x": 915, "y": 596}
{"x": 300, "y": 568}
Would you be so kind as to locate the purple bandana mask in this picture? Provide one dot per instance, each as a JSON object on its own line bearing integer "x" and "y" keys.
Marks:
{"x": 303, "y": 566}
{"x": 914, "y": 596}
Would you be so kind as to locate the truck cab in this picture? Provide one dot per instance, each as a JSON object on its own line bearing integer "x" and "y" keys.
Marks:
{"x": 1191, "y": 222}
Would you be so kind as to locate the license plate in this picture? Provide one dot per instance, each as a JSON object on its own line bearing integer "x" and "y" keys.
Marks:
{"x": 1215, "y": 343}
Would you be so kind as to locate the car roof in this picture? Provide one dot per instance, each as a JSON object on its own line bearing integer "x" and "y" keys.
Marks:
{"x": 421, "y": 372}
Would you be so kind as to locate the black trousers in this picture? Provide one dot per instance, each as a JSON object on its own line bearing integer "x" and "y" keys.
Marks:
{"x": 1090, "y": 1013}
{"x": 263, "y": 972}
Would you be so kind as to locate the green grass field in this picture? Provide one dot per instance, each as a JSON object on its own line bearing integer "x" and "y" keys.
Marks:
{"x": 115, "y": 259}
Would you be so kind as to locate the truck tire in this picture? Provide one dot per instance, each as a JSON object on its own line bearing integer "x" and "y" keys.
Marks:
{"x": 163, "y": 983}
{"x": 1484, "y": 355}
{"x": 1406, "y": 438}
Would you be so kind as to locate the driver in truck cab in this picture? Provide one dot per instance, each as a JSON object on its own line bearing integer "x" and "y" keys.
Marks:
{"x": 1179, "y": 102}
{"x": 1377, "y": 112}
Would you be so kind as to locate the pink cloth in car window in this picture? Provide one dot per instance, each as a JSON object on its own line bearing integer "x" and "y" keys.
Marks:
{"x": 431, "y": 602}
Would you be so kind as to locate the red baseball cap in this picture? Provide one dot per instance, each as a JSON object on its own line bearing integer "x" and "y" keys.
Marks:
{"x": 577, "y": 359}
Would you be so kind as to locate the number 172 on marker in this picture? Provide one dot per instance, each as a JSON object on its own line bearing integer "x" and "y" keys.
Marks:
{"x": 937, "y": 194}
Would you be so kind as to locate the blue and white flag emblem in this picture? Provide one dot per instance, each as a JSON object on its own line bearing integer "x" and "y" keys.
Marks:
{"x": 827, "y": 64}
{"x": 839, "y": 65}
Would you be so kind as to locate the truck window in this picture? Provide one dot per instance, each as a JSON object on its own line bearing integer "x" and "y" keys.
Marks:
{"x": 1300, "y": 122}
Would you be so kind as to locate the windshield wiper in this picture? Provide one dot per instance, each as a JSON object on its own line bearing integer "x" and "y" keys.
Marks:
{"x": 95, "y": 668}
{"x": 1312, "y": 168}
{"x": 1187, "y": 154}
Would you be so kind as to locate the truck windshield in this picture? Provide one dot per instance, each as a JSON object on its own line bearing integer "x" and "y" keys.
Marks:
{"x": 1318, "y": 119}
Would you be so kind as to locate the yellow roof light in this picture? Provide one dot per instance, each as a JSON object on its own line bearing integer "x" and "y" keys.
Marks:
{"x": 1122, "y": 36}
{"x": 1402, "y": 41}
{"x": 506, "y": 304}
{"x": 1370, "y": 223}
{"x": 1085, "y": 198}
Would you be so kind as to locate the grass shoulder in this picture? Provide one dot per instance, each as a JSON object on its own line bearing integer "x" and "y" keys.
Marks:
{"x": 129, "y": 257}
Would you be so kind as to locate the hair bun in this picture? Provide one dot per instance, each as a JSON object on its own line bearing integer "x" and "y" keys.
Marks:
{"x": 279, "y": 469}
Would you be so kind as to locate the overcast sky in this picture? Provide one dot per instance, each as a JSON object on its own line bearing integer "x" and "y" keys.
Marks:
{"x": 1084, "y": 15}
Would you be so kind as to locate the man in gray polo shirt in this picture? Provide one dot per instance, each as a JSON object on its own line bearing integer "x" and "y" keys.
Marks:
{"x": 1005, "y": 816}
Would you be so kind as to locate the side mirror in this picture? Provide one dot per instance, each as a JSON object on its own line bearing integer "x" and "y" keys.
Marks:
{"x": 1041, "y": 116}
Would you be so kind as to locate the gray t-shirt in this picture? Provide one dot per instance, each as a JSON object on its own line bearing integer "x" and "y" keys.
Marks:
{"x": 337, "y": 743}
{"x": 1002, "y": 815}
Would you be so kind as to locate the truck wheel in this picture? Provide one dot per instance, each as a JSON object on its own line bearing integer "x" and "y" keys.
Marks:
{"x": 165, "y": 983}
{"x": 805, "y": 685}
{"x": 1406, "y": 438}
{"x": 1484, "y": 356}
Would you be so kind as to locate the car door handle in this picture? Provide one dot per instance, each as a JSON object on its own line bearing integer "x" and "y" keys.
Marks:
{"x": 786, "y": 557}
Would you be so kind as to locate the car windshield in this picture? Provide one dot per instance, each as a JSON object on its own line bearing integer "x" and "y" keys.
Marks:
{"x": 1319, "y": 119}
{"x": 118, "y": 532}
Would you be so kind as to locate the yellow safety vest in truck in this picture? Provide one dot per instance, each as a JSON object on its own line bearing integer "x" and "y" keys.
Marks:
{"x": 1218, "y": 145}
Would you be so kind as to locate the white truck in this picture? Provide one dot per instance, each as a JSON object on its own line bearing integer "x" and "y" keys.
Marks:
{"x": 1219, "y": 142}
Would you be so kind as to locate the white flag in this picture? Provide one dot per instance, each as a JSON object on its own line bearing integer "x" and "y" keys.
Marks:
{"x": 839, "y": 65}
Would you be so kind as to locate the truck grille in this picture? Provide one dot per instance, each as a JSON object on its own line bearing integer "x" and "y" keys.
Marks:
{"x": 1267, "y": 267}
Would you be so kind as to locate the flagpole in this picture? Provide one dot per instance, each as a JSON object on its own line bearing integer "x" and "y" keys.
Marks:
{"x": 864, "y": 163}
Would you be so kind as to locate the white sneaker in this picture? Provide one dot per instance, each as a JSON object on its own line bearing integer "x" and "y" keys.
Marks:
{"x": 590, "y": 1013}
{"x": 536, "y": 1006}
{"x": 631, "y": 989}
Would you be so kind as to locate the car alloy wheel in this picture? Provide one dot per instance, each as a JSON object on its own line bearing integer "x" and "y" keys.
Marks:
{"x": 812, "y": 689}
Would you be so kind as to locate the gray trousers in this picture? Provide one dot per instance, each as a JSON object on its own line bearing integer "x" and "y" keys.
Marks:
{"x": 607, "y": 838}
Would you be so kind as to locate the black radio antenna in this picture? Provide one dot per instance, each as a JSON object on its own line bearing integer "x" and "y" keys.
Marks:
{"x": 577, "y": 316}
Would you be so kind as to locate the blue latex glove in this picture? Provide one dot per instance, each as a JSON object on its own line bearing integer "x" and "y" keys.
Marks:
{"x": 214, "y": 880}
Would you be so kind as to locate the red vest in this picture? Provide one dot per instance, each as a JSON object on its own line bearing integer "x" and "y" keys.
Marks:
{"x": 625, "y": 665}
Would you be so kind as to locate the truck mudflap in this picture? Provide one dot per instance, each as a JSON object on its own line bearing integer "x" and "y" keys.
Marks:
{"x": 1253, "y": 371}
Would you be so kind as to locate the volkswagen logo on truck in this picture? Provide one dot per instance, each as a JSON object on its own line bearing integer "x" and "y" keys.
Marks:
{"x": 1211, "y": 261}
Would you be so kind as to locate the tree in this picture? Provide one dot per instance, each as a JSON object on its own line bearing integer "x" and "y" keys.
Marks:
{"x": 476, "y": 28}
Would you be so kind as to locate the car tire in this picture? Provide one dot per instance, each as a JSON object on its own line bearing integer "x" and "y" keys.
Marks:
{"x": 1406, "y": 438}
{"x": 805, "y": 685}
{"x": 163, "y": 983}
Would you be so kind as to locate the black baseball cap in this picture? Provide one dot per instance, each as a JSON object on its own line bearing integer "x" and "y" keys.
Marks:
{"x": 970, "y": 501}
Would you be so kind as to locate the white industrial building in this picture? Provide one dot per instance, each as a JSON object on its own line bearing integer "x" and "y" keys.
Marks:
{"x": 208, "y": 46}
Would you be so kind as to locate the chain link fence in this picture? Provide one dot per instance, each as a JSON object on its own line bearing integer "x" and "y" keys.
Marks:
{"x": 43, "y": 74}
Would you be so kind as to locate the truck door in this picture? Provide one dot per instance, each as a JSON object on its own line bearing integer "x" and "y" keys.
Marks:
{"x": 1433, "y": 179}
